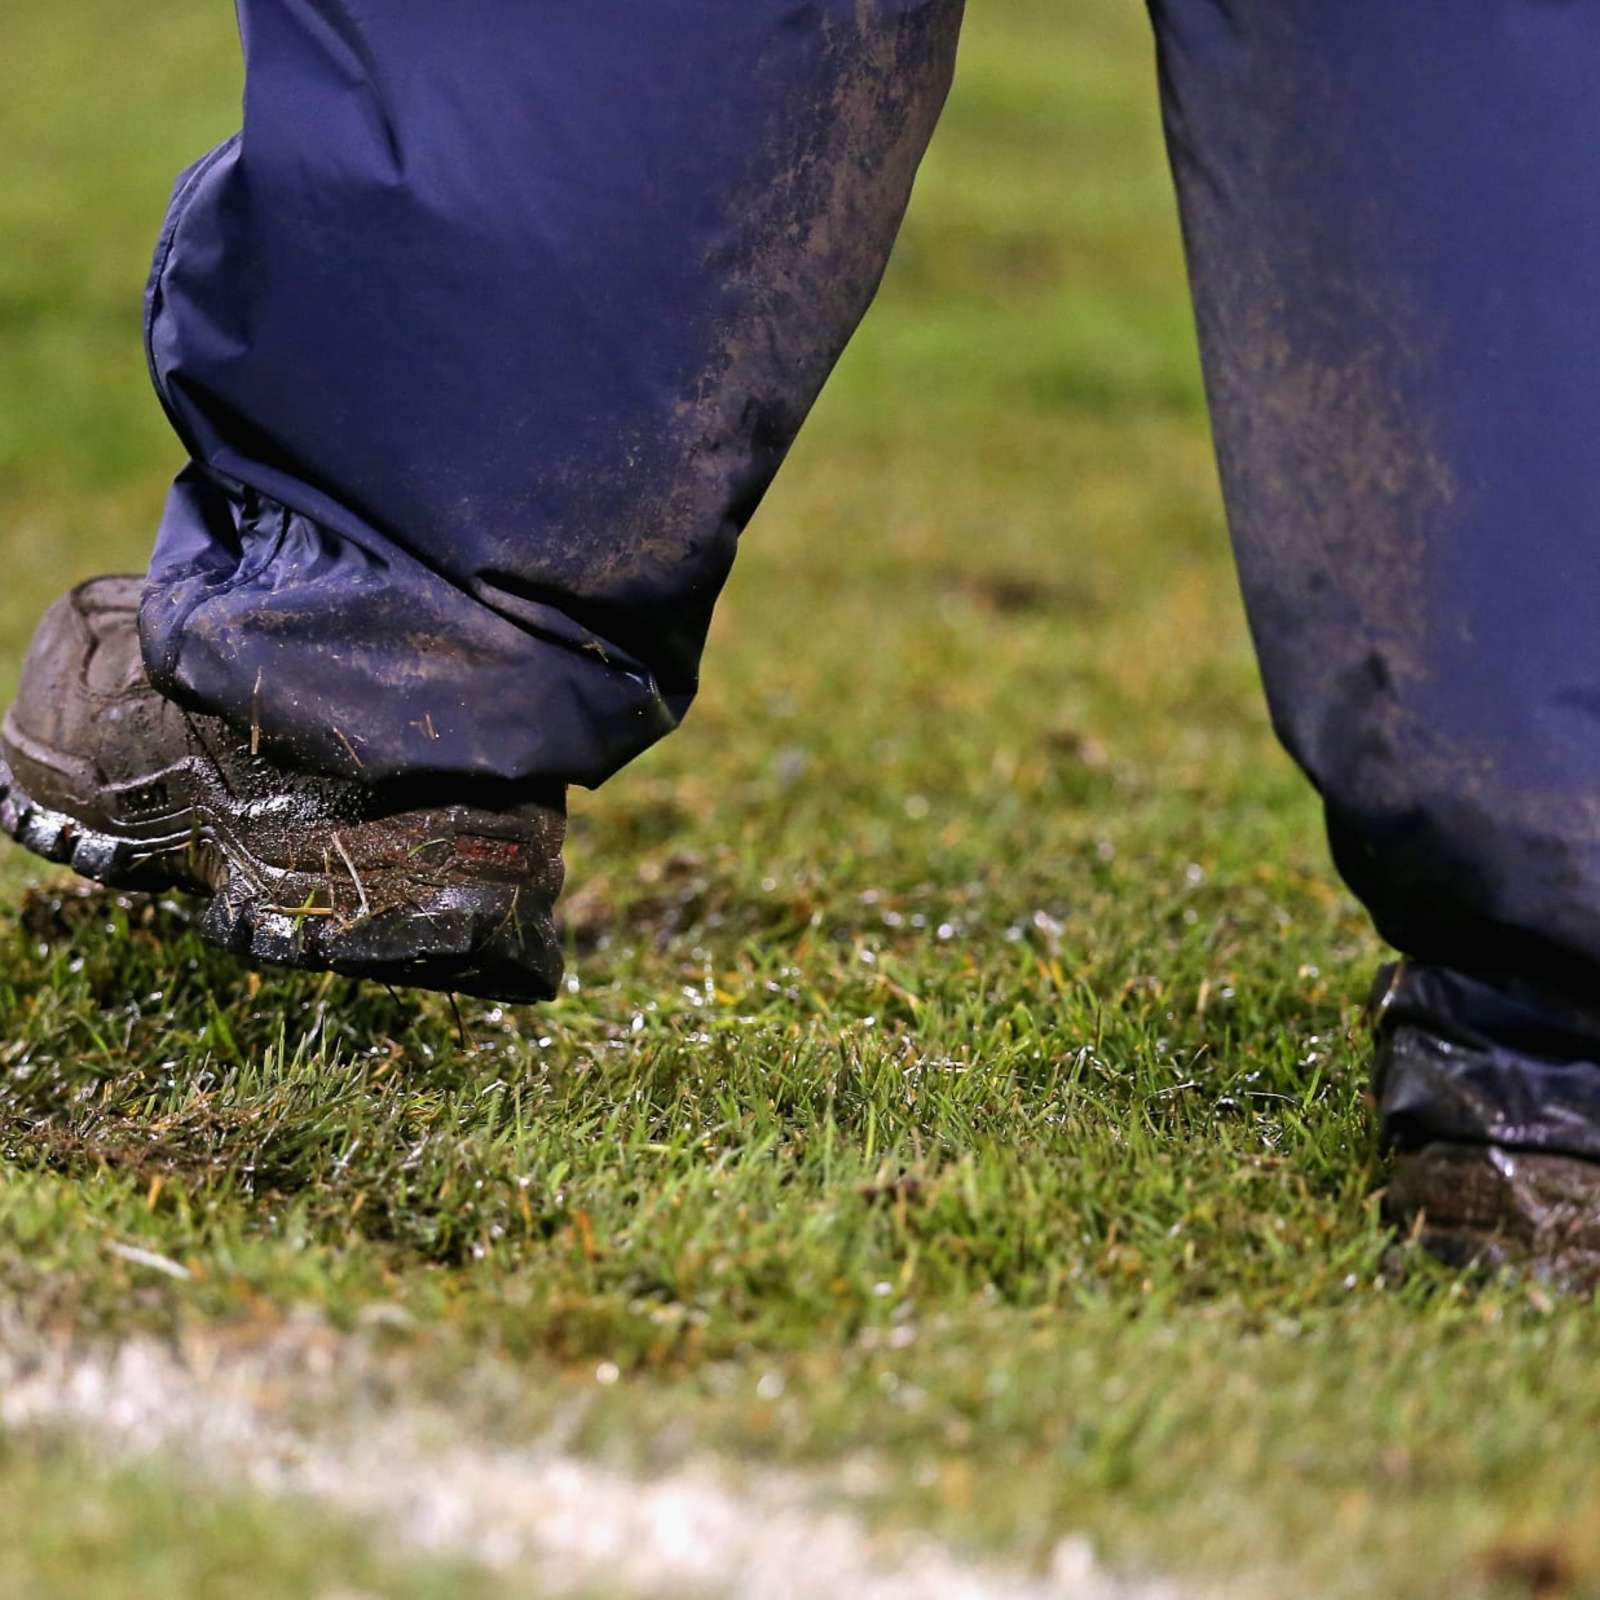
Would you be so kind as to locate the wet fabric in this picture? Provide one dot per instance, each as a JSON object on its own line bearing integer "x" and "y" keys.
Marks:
{"x": 1393, "y": 224}
{"x": 488, "y": 333}
{"x": 1471, "y": 1063}
{"x": 486, "y": 336}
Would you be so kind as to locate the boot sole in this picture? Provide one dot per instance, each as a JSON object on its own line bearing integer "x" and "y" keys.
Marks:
{"x": 375, "y": 910}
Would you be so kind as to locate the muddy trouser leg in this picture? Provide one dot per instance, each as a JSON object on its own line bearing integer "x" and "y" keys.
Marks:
{"x": 1392, "y": 214}
{"x": 486, "y": 336}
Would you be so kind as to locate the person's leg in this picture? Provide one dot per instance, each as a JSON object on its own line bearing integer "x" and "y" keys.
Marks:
{"x": 1394, "y": 237}
{"x": 487, "y": 336}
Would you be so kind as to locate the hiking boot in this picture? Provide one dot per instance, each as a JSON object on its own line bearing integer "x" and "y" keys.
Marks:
{"x": 1490, "y": 1097}
{"x": 409, "y": 884}
{"x": 1483, "y": 1207}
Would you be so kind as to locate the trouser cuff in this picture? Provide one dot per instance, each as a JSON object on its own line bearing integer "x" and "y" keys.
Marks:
{"x": 1461, "y": 1060}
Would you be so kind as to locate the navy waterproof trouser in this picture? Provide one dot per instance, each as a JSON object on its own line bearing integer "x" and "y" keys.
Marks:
{"x": 490, "y": 330}
{"x": 1392, "y": 212}
{"x": 487, "y": 335}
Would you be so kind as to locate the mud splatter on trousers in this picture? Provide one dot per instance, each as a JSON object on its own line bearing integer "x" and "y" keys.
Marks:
{"x": 1394, "y": 238}
{"x": 486, "y": 340}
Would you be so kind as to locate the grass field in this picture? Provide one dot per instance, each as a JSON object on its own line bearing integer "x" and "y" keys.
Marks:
{"x": 957, "y": 1103}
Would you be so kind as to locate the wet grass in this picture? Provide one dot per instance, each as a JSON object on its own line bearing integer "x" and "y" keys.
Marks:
{"x": 959, "y": 1090}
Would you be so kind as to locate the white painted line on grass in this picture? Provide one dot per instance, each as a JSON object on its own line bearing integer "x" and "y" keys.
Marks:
{"x": 541, "y": 1515}
{"x": 148, "y": 1258}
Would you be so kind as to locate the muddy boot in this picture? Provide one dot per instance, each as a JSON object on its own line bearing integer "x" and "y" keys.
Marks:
{"x": 409, "y": 884}
{"x": 1479, "y": 1206}
{"x": 1490, "y": 1096}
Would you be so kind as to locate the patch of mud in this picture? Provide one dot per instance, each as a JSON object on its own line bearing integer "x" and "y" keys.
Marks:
{"x": 60, "y": 912}
{"x": 668, "y": 900}
{"x": 671, "y": 897}
{"x": 1017, "y": 594}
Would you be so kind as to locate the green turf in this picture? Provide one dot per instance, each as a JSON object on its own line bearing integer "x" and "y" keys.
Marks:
{"x": 961, "y": 1071}
{"x": 75, "y": 1528}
